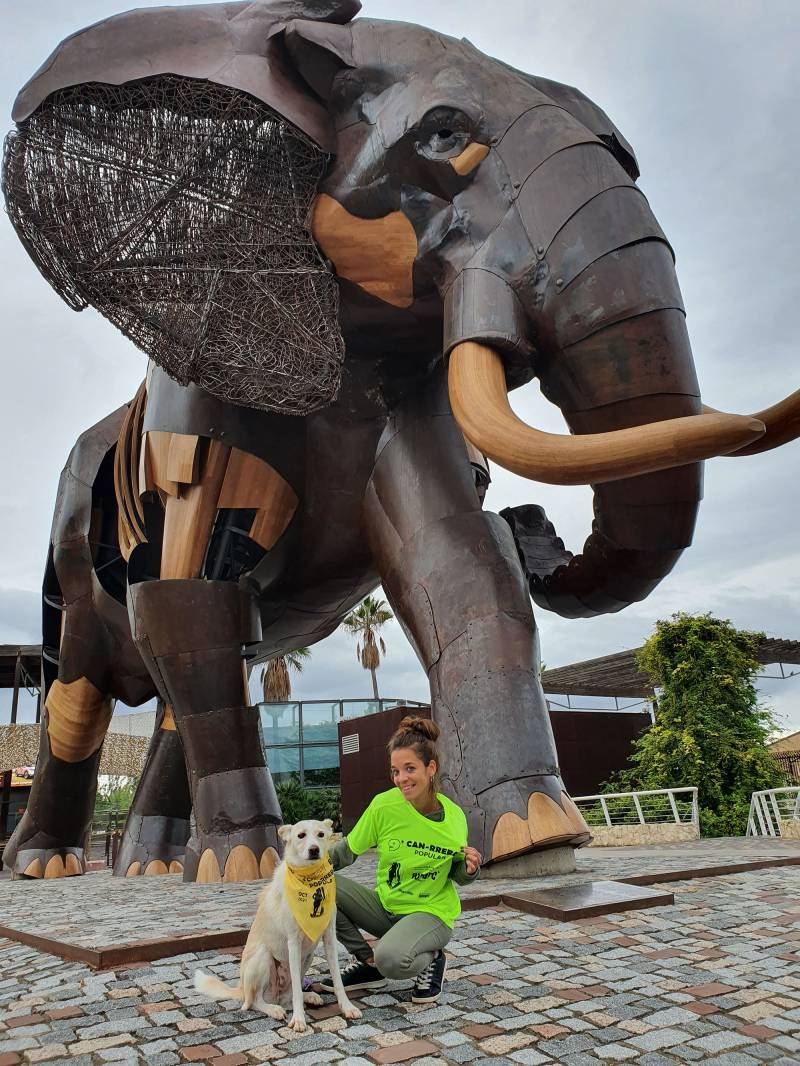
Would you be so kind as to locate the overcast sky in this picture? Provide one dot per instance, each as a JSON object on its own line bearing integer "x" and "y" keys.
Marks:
{"x": 707, "y": 93}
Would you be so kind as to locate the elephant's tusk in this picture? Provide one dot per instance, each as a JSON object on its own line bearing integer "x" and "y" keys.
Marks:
{"x": 480, "y": 404}
{"x": 782, "y": 421}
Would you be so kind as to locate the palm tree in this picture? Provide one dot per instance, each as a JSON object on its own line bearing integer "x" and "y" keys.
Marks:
{"x": 275, "y": 675}
{"x": 363, "y": 623}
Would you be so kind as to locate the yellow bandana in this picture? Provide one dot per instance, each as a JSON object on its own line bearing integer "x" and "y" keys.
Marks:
{"x": 311, "y": 892}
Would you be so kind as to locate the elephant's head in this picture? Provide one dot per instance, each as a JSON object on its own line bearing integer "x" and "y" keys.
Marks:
{"x": 474, "y": 212}
{"x": 497, "y": 214}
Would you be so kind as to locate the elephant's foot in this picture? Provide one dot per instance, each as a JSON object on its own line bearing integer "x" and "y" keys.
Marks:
{"x": 235, "y": 826}
{"x": 531, "y": 814}
{"x": 151, "y": 845}
{"x": 32, "y": 853}
{"x": 248, "y": 855}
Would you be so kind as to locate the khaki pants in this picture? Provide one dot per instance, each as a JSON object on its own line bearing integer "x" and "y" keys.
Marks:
{"x": 407, "y": 942}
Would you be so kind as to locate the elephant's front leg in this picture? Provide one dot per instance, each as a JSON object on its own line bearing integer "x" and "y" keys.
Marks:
{"x": 190, "y": 631}
{"x": 452, "y": 574}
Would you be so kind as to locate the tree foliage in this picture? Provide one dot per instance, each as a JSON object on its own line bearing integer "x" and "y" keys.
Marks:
{"x": 113, "y": 799}
{"x": 298, "y": 803}
{"x": 276, "y": 674}
{"x": 710, "y": 731}
{"x": 364, "y": 624}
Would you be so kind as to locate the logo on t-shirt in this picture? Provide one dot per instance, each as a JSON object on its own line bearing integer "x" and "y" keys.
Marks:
{"x": 421, "y": 847}
{"x": 393, "y": 876}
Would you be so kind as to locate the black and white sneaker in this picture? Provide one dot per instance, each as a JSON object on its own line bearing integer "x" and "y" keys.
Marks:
{"x": 356, "y": 974}
{"x": 428, "y": 985}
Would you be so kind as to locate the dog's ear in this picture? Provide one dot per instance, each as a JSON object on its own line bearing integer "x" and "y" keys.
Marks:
{"x": 284, "y": 831}
{"x": 328, "y": 822}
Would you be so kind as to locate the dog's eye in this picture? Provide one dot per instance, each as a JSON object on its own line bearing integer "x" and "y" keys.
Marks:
{"x": 301, "y": 836}
{"x": 320, "y": 835}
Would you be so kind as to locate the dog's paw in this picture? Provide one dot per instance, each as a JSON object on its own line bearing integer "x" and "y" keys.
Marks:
{"x": 272, "y": 1010}
{"x": 313, "y": 999}
{"x": 297, "y": 1024}
{"x": 350, "y": 1012}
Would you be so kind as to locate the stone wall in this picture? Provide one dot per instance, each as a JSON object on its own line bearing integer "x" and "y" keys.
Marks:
{"x": 790, "y": 828}
{"x": 122, "y": 755}
{"x": 614, "y": 836}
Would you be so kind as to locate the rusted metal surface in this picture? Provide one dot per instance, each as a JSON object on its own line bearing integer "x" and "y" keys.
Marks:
{"x": 542, "y": 247}
{"x": 221, "y": 43}
{"x": 197, "y": 249}
{"x": 157, "y": 827}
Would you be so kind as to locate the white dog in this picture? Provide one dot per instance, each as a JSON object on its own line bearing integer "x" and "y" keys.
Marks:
{"x": 302, "y": 887}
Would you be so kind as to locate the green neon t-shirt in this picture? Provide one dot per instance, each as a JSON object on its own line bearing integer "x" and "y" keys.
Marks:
{"x": 414, "y": 854}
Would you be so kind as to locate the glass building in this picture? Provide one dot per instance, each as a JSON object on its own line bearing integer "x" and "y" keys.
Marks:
{"x": 301, "y": 738}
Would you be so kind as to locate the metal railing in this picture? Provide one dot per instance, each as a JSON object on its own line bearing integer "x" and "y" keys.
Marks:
{"x": 770, "y": 809}
{"x": 661, "y": 806}
{"x": 301, "y": 737}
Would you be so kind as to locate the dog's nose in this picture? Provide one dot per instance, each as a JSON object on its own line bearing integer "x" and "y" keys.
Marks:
{"x": 313, "y": 852}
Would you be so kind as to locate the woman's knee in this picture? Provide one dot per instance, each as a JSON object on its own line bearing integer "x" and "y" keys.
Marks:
{"x": 389, "y": 963}
{"x": 398, "y": 966}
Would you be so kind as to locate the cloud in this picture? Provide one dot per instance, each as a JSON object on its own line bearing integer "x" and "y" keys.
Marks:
{"x": 20, "y": 616}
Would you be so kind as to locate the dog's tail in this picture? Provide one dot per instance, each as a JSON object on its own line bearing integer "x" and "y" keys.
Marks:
{"x": 213, "y": 987}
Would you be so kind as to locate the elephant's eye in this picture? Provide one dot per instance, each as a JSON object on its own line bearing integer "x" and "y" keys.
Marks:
{"x": 443, "y": 134}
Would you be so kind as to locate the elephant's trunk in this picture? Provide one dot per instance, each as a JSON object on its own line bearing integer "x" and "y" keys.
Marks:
{"x": 642, "y": 524}
{"x": 577, "y": 284}
{"x": 612, "y": 351}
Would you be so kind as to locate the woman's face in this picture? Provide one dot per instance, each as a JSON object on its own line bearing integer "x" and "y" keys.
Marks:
{"x": 411, "y": 775}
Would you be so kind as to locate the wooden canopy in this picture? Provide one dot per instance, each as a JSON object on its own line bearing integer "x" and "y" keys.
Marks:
{"x": 29, "y": 657}
{"x": 618, "y": 674}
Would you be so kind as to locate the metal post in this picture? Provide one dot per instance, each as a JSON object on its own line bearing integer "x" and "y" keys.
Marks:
{"x": 638, "y": 807}
{"x": 695, "y": 811}
{"x": 761, "y": 811}
{"x": 673, "y": 805}
{"x": 17, "y": 679}
{"x": 751, "y": 825}
{"x": 777, "y": 811}
{"x": 604, "y": 805}
{"x": 5, "y": 802}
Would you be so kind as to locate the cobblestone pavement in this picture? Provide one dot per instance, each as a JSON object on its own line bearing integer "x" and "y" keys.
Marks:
{"x": 86, "y": 910}
{"x": 714, "y": 979}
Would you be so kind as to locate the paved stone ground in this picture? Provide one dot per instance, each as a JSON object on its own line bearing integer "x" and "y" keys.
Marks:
{"x": 714, "y": 979}
{"x": 86, "y": 910}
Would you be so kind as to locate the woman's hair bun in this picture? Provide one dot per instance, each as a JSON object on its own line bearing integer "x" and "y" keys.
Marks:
{"x": 412, "y": 723}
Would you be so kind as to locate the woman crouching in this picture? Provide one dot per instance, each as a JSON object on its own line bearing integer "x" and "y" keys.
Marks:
{"x": 421, "y": 839}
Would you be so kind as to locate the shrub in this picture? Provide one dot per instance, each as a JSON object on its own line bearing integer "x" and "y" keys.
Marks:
{"x": 709, "y": 731}
{"x": 298, "y": 803}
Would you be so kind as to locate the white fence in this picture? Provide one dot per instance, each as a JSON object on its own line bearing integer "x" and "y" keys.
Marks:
{"x": 775, "y": 813}
{"x": 656, "y": 816}
{"x": 662, "y": 806}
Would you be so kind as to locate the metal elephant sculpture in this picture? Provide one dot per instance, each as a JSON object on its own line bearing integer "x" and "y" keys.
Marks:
{"x": 341, "y": 243}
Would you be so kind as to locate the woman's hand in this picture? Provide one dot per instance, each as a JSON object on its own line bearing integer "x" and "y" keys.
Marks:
{"x": 472, "y": 859}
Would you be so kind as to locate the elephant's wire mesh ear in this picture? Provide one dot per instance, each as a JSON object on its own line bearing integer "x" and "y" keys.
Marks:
{"x": 178, "y": 208}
